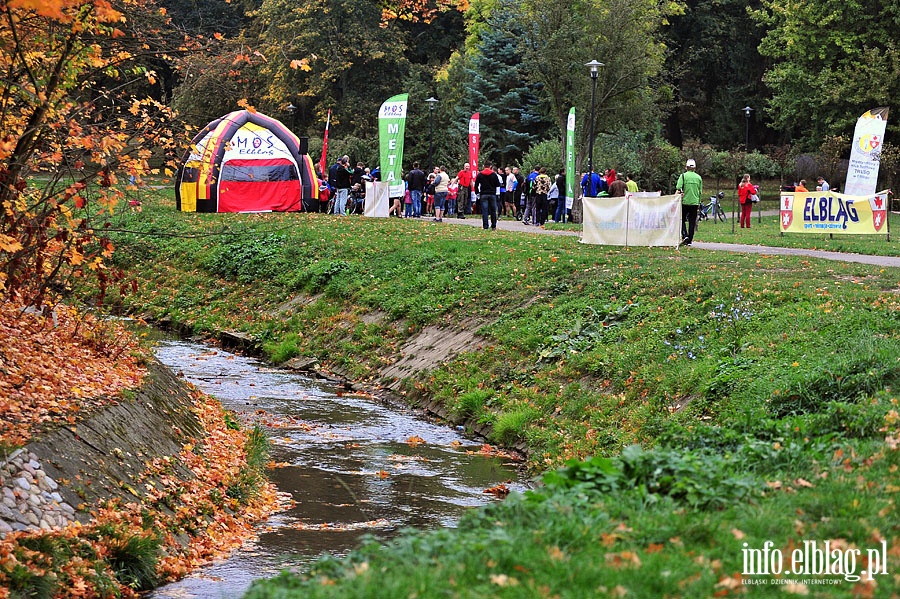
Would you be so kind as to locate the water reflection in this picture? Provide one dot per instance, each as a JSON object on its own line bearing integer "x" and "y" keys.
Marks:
{"x": 352, "y": 465}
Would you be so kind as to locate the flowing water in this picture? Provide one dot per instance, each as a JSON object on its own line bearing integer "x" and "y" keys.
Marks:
{"x": 353, "y": 466}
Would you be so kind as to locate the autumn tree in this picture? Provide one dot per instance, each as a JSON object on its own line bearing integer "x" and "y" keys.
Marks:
{"x": 214, "y": 80}
{"x": 74, "y": 117}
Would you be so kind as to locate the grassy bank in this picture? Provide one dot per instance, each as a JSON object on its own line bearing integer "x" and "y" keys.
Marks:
{"x": 759, "y": 386}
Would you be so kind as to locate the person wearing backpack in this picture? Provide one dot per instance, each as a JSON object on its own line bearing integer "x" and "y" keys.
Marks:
{"x": 529, "y": 214}
{"x": 441, "y": 186}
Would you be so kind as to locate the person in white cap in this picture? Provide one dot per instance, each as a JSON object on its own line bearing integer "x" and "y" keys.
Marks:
{"x": 690, "y": 186}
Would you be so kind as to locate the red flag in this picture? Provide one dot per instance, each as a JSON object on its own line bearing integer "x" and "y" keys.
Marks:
{"x": 474, "y": 140}
{"x": 322, "y": 162}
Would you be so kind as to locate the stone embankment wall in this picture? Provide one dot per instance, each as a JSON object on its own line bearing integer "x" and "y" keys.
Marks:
{"x": 31, "y": 499}
{"x": 61, "y": 476}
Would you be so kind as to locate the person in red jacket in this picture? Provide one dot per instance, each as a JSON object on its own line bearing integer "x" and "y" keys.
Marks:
{"x": 746, "y": 189}
{"x": 463, "y": 199}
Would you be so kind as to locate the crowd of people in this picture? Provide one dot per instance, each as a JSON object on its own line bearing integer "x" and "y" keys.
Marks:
{"x": 498, "y": 191}
{"x": 492, "y": 192}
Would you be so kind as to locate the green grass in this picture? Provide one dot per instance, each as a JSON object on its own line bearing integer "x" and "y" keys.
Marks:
{"x": 250, "y": 480}
{"x": 758, "y": 386}
{"x": 130, "y": 558}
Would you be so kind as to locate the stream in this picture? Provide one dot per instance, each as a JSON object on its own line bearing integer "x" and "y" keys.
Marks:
{"x": 352, "y": 465}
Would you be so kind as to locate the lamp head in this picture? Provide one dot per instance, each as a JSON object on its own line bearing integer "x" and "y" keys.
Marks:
{"x": 747, "y": 110}
{"x": 594, "y": 66}
{"x": 431, "y": 102}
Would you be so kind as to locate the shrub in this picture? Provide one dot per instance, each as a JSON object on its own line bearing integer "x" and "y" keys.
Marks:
{"x": 547, "y": 154}
{"x": 698, "y": 479}
{"x": 620, "y": 151}
{"x": 246, "y": 259}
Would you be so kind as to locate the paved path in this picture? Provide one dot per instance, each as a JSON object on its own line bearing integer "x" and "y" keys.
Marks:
{"x": 889, "y": 261}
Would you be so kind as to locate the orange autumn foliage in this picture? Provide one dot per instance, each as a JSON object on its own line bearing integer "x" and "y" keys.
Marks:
{"x": 50, "y": 373}
{"x": 55, "y": 56}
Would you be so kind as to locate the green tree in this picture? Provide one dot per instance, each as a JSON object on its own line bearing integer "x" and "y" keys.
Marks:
{"x": 831, "y": 60}
{"x": 498, "y": 89}
{"x": 546, "y": 154}
{"x": 716, "y": 71}
{"x": 623, "y": 34}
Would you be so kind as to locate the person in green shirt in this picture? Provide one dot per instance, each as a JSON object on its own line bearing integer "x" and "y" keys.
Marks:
{"x": 631, "y": 184}
{"x": 690, "y": 186}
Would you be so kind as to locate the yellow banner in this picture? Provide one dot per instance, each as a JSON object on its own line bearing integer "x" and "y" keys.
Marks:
{"x": 829, "y": 212}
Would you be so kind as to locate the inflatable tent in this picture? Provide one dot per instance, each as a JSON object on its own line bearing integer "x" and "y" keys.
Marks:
{"x": 246, "y": 162}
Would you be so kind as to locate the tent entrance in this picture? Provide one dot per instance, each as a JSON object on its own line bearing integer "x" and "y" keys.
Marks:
{"x": 259, "y": 185}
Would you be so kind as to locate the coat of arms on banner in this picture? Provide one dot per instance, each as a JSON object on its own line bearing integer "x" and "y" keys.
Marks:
{"x": 787, "y": 211}
{"x": 879, "y": 211}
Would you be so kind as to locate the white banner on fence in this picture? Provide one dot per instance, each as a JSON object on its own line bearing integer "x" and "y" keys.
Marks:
{"x": 632, "y": 220}
{"x": 378, "y": 199}
{"x": 604, "y": 221}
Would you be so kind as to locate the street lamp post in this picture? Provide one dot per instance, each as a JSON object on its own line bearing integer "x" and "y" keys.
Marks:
{"x": 747, "y": 110}
{"x": 293, "y": 110}
{"x": 431, "y": 102}
{"x": 594, "y": 66}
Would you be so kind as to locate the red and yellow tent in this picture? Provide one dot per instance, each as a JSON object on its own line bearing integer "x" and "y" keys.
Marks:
{"x": 246, "y": 162}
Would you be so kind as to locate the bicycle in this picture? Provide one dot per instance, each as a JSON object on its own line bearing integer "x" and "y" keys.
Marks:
{"x": 713, "y": 209}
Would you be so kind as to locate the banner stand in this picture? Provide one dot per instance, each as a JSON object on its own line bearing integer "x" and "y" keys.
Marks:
{"x": 378, "y": 199}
